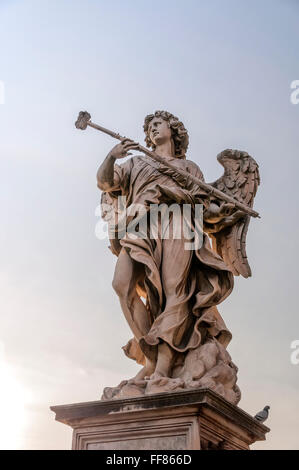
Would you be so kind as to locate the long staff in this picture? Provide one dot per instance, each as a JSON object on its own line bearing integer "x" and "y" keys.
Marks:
{"x": 84, "y": 120}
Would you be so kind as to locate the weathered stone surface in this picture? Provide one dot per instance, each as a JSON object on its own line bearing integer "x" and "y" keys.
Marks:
{"x": 184, "y": 397}
{"x": 178, "y": 334}
{"x": 208, "y": 366}
{"x": 142, "y": 443}
{"x": 185, "y": 420}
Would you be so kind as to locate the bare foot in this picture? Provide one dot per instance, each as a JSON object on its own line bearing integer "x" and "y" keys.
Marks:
{"x": 164, "y": 362}
{"x": 157, "y": 375}
{"x": 146, "y": 371}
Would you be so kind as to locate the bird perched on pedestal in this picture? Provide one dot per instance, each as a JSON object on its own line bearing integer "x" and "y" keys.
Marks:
{"x": 261, "y": 416}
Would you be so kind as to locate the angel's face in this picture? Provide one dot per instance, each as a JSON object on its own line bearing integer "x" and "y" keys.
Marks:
{"x": 159, "y": 131}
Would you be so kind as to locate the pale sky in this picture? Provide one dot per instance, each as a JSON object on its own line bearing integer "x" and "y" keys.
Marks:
{"x": 225, "y": 68}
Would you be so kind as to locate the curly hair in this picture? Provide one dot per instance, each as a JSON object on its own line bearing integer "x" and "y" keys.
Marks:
{"x": 178, "y": 130}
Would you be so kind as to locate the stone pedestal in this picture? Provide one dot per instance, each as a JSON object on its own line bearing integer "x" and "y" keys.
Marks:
{"x": 185, "y": 420}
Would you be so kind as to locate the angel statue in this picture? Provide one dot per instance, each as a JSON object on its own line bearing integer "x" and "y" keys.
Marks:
{"x": 169, "y": 294}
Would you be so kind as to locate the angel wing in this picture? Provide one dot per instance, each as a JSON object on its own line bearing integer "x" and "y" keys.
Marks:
{"x": 240, "y": 180}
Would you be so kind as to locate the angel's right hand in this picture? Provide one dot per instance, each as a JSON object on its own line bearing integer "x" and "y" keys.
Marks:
{"x": 122, "y": 150}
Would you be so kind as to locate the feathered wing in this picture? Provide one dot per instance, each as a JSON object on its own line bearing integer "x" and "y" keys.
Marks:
{"x": 240, "y": 180}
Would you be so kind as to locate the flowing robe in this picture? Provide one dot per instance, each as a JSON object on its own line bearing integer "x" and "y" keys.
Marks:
{"x": 200, "y": 277}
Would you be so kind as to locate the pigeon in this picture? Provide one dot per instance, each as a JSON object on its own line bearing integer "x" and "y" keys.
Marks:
{"x": 261, "y": 416}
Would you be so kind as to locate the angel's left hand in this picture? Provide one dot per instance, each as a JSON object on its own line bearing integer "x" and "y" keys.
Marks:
{"x": 232, "y": 219}
{"x": 226, "y": 209}
{"x": 216, "y": 213}
{"x": 223, "y": 222}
